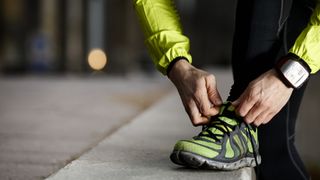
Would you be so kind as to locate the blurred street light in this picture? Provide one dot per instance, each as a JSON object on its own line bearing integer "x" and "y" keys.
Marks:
{"x": 97, "y": 59}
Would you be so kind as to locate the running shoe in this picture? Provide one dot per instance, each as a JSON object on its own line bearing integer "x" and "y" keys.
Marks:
{"x": 227, "y": 143}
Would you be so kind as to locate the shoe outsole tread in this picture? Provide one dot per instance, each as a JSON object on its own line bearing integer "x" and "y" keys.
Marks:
{"x": 199, "y": 162}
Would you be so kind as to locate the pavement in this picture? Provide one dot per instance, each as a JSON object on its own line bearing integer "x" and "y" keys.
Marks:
{"x": 141, "y": 149}
{"x": 47, "y": 122}
{"x": 113, "y": 128}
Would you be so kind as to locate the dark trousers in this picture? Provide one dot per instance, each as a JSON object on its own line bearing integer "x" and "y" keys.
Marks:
{"x": 262, "y": 35}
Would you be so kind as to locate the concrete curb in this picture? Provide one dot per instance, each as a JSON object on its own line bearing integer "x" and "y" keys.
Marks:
{"x": 140, "y": 150}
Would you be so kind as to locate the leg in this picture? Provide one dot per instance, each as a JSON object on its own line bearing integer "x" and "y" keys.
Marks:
{"x": 277, "y": 148}
{"x": 255, "y": 49}
{"x": 281, "y": 158}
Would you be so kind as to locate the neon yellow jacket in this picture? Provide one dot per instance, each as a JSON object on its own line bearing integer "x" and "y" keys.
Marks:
{"x": 165, "y": 40}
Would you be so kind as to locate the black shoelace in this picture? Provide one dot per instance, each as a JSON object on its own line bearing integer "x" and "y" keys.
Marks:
{"x": 254, "y": 150}
{"x": 217, "y": 124}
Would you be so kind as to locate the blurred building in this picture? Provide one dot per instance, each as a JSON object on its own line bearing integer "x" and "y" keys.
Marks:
{"x": 54, "y": 36}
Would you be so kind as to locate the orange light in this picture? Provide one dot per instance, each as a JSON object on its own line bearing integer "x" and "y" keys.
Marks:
{"x": 97, "y": 59}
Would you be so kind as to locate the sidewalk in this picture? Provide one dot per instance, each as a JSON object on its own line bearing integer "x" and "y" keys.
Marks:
{"x": 88, "y": 128}
{"x": 47, "y": 122}
{"x": 141, "y": 149}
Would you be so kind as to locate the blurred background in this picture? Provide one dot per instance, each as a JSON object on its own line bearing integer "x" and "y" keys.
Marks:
{"x": 57, "y": 36}
{"x": 68, "y": 65}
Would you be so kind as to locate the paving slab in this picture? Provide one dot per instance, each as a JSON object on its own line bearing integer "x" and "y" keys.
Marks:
{"x": 141, "y": 149}
{"x": 46, "y": 122}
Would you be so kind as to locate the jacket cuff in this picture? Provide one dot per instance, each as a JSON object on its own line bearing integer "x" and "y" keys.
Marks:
{"x": 172, "y": 63}
{"x": 171, "y": 57}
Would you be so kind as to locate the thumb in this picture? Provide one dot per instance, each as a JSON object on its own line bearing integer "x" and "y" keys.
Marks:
{"x": 236, "y": 102}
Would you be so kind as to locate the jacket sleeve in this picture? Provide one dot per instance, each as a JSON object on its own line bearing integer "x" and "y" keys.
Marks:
{"x": 164, "y": 39}
{"x": 307, "y": 45}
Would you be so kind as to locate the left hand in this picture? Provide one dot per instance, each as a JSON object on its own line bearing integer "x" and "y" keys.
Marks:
{"x": 263, "y": 98}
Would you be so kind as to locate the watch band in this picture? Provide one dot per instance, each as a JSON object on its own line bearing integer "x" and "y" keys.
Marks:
{"x": 293, "y": 71}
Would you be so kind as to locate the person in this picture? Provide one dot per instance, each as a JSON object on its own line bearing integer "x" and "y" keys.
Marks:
{"x": 276, "y": 46}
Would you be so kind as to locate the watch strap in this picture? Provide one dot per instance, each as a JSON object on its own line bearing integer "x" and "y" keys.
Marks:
{"x": 282, "y": 62}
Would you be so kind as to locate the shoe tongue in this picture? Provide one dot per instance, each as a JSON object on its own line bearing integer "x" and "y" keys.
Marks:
{"x": 232, "y": 122}
{"x": 227, "y": 107}
{"x": 226, "y": 114}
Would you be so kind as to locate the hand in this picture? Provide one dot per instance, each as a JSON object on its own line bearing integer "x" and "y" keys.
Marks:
{"x": 197, "y": 90}
{"x": 263, "y": 99}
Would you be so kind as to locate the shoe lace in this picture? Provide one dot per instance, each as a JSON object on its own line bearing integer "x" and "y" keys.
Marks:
{"x": 216, "y": 124}
{"x": 219, "y": 124}
{"x": 254, "y": 149}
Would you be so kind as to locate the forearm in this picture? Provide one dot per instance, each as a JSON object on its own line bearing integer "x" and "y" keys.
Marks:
{"x": 164, "y": 38}
{"x": 307, "y": 45}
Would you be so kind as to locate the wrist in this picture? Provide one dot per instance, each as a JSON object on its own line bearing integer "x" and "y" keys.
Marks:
{"x": 178, "y": 66}
{"x": 279, "y": 79}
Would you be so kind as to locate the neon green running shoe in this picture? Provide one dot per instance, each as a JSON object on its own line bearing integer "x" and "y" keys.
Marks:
{"x": 227, "y": 143}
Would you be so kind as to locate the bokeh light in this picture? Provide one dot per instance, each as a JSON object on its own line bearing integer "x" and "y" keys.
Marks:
{"x": 97, "y": 59}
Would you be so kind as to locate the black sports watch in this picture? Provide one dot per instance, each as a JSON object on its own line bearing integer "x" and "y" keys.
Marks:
{"x": 293, "y": 71}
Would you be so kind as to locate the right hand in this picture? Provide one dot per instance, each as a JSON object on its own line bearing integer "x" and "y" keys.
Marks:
{"x": 198, "y": 92}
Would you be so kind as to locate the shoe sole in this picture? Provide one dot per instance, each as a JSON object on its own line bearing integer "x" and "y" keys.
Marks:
{"x": 196, "y": 161}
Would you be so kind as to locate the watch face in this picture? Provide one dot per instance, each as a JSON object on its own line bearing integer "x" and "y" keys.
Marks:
{"x": 294, "y": 72}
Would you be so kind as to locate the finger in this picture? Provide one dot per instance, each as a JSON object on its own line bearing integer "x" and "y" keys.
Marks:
{"x": 215, "y": 110}
{"x": 213, "y": 93}
{"x": 257, "y": 124}
{"x": 246, "y": 103}
{"x": 261, "y": 118}
{"x": 254, "y": 112}
{"x": 205, "y": 107}
{"x": 268, "y": 118}
{"x": 196, "y": 117}
{"x": 202, "y": 101}
{"x": 235, "y": 103}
